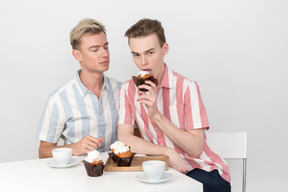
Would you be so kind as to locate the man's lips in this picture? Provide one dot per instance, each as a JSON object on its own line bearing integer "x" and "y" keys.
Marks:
{"x": 104, "y": 62}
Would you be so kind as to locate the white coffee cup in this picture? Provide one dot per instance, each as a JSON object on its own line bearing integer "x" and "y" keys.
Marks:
{"x": 153, "y": 169}
{"x": 62, "y": 156}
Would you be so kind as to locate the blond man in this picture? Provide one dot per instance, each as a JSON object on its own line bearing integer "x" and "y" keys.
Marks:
{"x": 83, "y": 112}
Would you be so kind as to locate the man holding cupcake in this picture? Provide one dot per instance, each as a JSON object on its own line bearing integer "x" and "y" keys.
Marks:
{"x": 170, "y": 116}
{"x": 83, "y": 112}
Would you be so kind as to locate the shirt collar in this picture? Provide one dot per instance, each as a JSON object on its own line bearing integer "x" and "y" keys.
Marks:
{"x": 81, "y": 87}
{"x": 167, "y": 78}
{"x": 105, "y": 84}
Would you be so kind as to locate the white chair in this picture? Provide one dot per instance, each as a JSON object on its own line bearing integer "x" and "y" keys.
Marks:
{"x": 230, "y": 146}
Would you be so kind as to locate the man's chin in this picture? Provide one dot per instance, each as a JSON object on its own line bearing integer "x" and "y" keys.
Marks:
{"x": 101, "y": 69}
{"x": 104, "y": 68}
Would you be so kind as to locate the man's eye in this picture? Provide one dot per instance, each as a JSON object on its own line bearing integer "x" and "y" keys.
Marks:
{"x": 150, "y": 52}
{"x": 135, "y": 55}
{"x": 94, "y": 50}
{"x": 106, "y": 47}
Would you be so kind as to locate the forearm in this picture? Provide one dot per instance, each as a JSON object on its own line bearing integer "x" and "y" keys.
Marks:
{"x": 192, "y": 142}
{"x": 45, "y": 149}
{"x": 139, "y": 145}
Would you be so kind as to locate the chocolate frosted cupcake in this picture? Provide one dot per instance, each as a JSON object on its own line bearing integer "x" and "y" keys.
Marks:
{"x": 121, "y": 154}
{"x": 93, "y": 164}
{"x": 141, "y": 77}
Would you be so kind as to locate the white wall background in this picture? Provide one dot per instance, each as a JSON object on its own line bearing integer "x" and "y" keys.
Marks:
{"x": 236, "y": 50}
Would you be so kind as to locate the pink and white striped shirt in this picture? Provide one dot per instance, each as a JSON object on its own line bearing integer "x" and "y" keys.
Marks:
{"x": 180, "y": 101}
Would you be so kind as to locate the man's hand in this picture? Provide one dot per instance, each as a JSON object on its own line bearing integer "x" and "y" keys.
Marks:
{"x": 150, "y": 100}
{"x": 176, "y": 162}
{"x": 86, "y": 144}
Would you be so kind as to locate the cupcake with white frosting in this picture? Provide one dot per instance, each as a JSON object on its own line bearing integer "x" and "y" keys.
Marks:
{"x": 93, "y": 164}
{"x": 141, "y": 77}
{"x": 121, "y": 154}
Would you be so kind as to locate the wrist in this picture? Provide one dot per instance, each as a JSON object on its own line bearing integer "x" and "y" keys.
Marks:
{"x": 168, "y": 151}
{"x": 72, "y": 146}
{"x": 157, "y": 116}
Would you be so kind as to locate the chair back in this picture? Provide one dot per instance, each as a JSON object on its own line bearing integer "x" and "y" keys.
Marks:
{"x": 228, "y": 145}
{"x": 232, "y": 145}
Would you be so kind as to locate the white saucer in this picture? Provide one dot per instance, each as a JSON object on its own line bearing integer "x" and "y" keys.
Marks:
{"x": 52, "y": 163}
{"x": 165, "y": 177}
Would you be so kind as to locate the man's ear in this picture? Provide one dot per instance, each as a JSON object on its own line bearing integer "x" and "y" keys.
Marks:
{"x": 77, "y": 55}
{"x": 165, "y": 48}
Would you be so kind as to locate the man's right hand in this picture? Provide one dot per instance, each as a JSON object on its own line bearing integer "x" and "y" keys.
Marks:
{"x": 86, "y": 144}
{"x": 176, "y": 162}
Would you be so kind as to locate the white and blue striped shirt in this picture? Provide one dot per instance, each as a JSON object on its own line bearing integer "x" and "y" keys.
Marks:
{"x": 72, "y": 112}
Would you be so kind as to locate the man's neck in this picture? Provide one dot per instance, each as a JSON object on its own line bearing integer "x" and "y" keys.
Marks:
{"x": 92, "y": 81}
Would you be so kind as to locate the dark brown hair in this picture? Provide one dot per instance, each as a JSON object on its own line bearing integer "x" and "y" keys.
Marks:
{"x": 146, "y": 27}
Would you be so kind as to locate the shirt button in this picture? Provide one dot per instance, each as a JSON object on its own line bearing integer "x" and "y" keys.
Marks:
{"x": 161, "y": 144}
{"x": 156, "y": 128}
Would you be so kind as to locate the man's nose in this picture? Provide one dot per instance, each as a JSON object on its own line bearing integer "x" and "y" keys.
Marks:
{"x": 143, "y": 60}
{"x": 105, "y": 52}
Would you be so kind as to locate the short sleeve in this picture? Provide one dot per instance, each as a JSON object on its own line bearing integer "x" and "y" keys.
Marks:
{"x": 195, "y": 112}
{"x": 52, "y": 123}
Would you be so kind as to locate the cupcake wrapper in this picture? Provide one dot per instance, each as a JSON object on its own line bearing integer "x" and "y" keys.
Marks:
{"x": 139, "y": 81}
{"x": 113, "y": 157}
{"x": 121, "y": 162}
{"x": 93, "y": 170}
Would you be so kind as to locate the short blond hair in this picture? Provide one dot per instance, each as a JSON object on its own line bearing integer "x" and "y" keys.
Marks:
{"x": 83, "y": 27}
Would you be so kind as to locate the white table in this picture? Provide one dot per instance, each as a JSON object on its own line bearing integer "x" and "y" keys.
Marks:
{"x": 36, "y": 175}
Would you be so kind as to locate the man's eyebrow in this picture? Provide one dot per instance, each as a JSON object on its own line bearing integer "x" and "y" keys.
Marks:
{"x": 94, "y": 46}
{"x": 134, "y": 53}
{"x": 152, "y": 49}
{"x": 97, "y": 46}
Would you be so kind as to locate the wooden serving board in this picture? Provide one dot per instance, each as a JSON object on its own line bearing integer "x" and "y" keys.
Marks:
{"x": 136, "y": 164}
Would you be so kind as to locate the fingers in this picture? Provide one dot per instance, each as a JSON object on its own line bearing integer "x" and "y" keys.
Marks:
{"x": 91, "y": 143}
{"x": 150, "y": 86}
{"x": 90, "y": 146}
{"x": 146, "y": 100}
{"x": 177, "y": 163}
{"x": 99, "y": 142}
{"x": 149, "y": 98}
{"x": 183, "y": 169}
{"x": 153, "y": 85}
